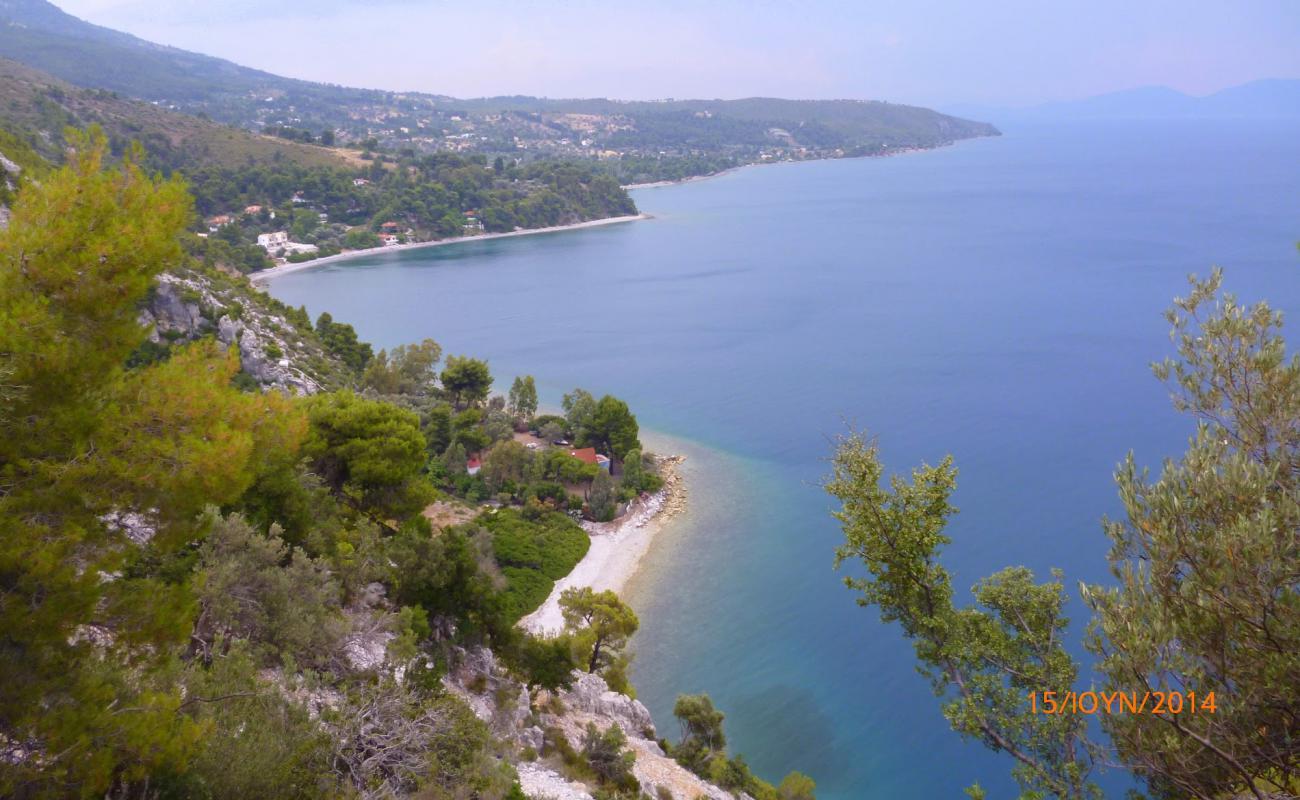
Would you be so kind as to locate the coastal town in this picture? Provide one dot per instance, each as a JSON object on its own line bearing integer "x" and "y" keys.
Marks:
{"x": 616, "y": 133}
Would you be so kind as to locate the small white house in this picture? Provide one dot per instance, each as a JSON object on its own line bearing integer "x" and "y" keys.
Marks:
{"x": 273, "y": 241}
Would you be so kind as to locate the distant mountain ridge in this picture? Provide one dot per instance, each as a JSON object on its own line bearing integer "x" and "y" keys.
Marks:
{"x": 41, "y": 35}
{"x": 1268, "y": 98}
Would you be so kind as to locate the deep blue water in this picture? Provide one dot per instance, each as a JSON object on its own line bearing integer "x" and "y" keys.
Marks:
{"x": 999, "y": 300}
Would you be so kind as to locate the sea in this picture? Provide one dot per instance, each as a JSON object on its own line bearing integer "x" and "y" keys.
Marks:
{"x": 999, "y": 300}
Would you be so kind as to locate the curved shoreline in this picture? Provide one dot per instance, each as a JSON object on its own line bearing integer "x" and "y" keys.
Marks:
{"x": 616, "y": 548}
{"x": 285, "y": 269}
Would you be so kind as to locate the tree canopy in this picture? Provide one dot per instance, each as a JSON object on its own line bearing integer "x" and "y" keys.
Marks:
{"x": 98, "y": 464}
{"x": 602, "y": 622}
{"x": 369, "y": 453}
{"x": 467, "y": 380}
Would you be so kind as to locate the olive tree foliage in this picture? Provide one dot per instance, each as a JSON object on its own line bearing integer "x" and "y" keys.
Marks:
{"x": 507, "y": 463}
{"x": 390, "y": 740}
{"x": 601, "y": 499}
{"x": 579, "y": 411}
{"x": 607, "y": 755}
{"x": 258, "y": 742}
{"x": 409, "y": 369}
{"x": 254, "y": 588}
{"x": 1207, "y": 565}
{"x": 982, "y": 660}
{"x": 523, "y": 398}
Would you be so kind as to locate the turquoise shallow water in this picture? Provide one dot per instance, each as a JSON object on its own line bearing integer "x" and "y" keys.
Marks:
{"x": 999, "y": 300}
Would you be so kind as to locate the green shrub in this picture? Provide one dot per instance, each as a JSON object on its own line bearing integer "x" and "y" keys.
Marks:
{"x": 526, "y": 590}
{"x": 533, "y": 554}
{"x": 607, "y": 757}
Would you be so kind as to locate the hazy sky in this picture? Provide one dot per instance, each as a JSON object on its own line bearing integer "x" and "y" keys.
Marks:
{"x": 921, "y": 51}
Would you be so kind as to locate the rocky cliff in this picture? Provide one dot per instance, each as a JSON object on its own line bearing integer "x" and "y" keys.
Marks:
{"x": 10, "y": 174}
{"x": 524, "y": 719}
{"x": 277, "y": 347}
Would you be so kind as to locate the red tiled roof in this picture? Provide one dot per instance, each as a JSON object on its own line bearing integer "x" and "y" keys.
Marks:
{"x": 472, "y": 463}
{"x": 586, "y": 454}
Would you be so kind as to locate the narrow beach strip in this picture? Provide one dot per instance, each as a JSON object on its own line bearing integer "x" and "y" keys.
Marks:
{"x": 284, "y": 269}
{"x": 616, "y": 547}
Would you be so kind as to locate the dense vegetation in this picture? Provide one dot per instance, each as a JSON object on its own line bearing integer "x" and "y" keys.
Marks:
{"x": 428, "y": 197}
{"x": 214, "y": 592}
{"x": 1205, "y": 602}
{"x": 533, "y": 555}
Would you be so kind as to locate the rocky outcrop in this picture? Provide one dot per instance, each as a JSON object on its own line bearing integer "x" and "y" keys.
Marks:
{"x": 591, "y": 695}
{"x": 370, "y": 629}
{"x": 538, "y": 781}
{"x": 502, "y": 702}
{"x": 591, "y": 702}
{"x": 9, "y": 175}
{"x": 8, "y": 166}
{"x": 522, "y": 719}
{"x": 271, "y": 351}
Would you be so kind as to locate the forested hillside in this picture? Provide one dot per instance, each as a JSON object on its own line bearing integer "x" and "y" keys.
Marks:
{"x": 633, "y": 141}
{"x": 331, "y": 199}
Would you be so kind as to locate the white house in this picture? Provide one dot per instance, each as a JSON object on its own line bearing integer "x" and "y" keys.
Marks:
{"x": 273, "y": 241}
{"x": 278, "y": 242}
